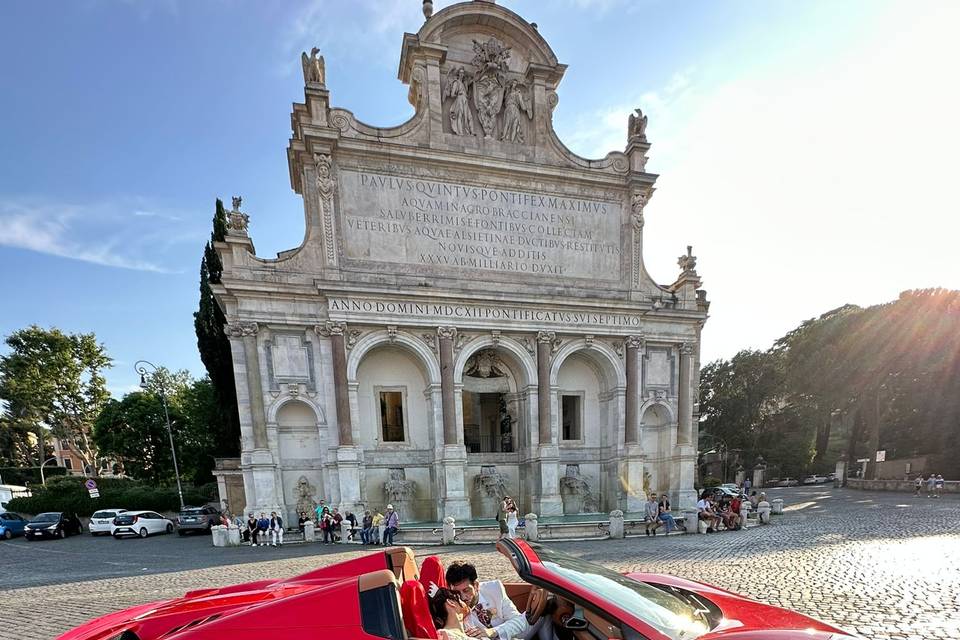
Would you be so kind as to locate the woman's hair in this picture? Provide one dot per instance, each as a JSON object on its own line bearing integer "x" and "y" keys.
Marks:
{"x": 438, "y": 606}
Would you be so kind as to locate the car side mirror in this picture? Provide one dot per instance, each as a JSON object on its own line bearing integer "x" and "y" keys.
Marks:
{"x": 575, "y": 623}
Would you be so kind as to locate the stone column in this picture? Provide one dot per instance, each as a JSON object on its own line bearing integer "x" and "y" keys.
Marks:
{"x": 686, "y": 453}
{"x": 547, "y": 501}
{"x": 454, "y": 497}
{"x": 544, "y": 347}
{"x": 684, "y": 406}
{"x": 631, "y": 425}
{"x": 446, "y": 336}
{"x": 631, "y": 462}
{"x": 349, "y": 457}
{"x": 266, "y": 496}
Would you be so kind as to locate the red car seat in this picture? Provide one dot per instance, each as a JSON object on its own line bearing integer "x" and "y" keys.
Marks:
{"x": 431, "y": 571}
{"x": 416, "y": 611}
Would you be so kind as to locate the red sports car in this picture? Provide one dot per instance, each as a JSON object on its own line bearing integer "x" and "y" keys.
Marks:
{"x": 364, "y": 598}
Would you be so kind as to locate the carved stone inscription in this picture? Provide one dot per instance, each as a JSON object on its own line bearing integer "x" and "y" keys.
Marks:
{"x": 435, "y": 224}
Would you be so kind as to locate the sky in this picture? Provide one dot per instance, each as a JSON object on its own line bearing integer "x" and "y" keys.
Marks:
{"x": 806, "y": 150}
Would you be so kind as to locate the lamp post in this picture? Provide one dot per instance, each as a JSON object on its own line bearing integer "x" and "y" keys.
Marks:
{"x": 43, "y": 479}
{"x": 141, "y": 367}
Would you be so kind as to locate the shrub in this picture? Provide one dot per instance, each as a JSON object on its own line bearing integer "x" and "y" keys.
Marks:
{"x": 29, "y": 475}
{"x": 69, "y": 494}
{"x": 710, "y": 481}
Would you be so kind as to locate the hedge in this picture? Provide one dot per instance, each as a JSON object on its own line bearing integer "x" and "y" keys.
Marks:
{"x": 29, "y": 475}
{"x": 68, "y": 494}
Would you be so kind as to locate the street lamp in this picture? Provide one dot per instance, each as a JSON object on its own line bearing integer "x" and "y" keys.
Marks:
{"x": 141, "y": 367}
{"x": 43, "y": 480}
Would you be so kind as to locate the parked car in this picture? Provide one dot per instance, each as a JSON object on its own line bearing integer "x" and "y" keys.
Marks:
{"x": 726, "y": 492}
{"x": 102, "y": 521}
{"x": 197, "y": 519}
{"x": 11, "y": 524}
{"x": 788, "y": 482}
{"x": 53, "y": 524}
{"x": 363, "y": 598}
{"x": 140, "y": 523}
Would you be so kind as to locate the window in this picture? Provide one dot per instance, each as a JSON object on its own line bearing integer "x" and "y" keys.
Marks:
{"x": 391, "y": 416}
{"x": 570, "y": 416}
{"x": 67, "y": 463}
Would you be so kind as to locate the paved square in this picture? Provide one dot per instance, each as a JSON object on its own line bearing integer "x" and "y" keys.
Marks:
{"x": 883, "y": 565}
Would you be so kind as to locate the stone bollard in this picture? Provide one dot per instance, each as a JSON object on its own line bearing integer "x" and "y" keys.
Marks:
{"x": 690, "y": 521}
{"x": 777, "y": 507}
{"x": 218, "y": 534}
{"x": 309, "y": 531}
{"x": 745, "y": 509}
{"x": 616, "y": 524}
{"x": 449, "y": 530}
{"x": 763, "y": 512}
{"x": 530, "y": 526}
{"x": 233, "y": 536}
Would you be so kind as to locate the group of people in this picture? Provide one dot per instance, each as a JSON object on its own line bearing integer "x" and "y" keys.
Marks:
{"x": 259, "y": 532}
{"x": 934, "y": 485}
{"x": 374, "y": 528}
{"x": 656, "y": 513}
{"x": 723, "y": 510}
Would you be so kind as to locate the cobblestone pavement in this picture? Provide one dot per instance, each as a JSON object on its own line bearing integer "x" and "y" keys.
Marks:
{"x": 883, "y": 565}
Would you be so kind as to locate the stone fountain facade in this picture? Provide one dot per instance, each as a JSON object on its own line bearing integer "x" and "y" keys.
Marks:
{"x": 469, "y": 294}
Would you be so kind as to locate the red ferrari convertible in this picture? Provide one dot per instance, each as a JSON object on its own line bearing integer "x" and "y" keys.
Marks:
{"x": 365, "y": 598}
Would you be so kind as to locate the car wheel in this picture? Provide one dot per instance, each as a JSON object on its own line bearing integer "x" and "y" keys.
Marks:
{"x": 144, "y": 533}
{"x": 8, "y": 534}
{"x": 62, "y": 533}
{"x": 169, "y": 528}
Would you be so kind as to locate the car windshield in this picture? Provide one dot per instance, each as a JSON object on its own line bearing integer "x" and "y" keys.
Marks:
{"x": 666, "y": 613}
{"x": 47, "y": 517}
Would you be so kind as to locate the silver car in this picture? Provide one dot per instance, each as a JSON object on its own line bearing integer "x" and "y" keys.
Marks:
{"x": 197, "y": 519}
{"x": 101, "y": 521}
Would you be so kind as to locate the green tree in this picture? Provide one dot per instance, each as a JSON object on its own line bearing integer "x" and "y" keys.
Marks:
{"x": 52, "y": 382}
{"x": 214, "y": 346}
{"x": 134, "y": 432}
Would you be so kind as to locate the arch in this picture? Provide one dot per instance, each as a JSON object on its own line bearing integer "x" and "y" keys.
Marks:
{"x": 520, "y": 357}
{"x": 671, "y": 416}
{"x": 274, "y": 408}
{"x": 399, "y": 339}
{"x": 600, "y": 353}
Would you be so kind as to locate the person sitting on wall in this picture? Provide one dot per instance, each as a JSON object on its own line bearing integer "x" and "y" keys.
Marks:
{"x": 337, "y": 519}
{"x": 706, "y": 512}
{"x": 252, "y": 530}
{"x": 651, "y": 515}
{"x": 302, "y": 521}
{"x": 366, "y": 528}
{"x": 492, "y": 613}
{"x": 352, "y": 523}
{"x": 664, "y": 514}
{"x": 263, "y": 526}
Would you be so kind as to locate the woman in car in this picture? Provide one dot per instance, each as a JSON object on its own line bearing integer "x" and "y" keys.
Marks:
{"x": 448, "y": 612}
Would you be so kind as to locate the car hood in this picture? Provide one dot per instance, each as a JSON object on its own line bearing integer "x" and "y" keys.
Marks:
{"x": 746, "y": 619}
{"x": 40, "y": 525}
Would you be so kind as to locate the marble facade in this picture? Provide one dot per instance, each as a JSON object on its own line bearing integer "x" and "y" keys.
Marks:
{"x": 469, "y": 313}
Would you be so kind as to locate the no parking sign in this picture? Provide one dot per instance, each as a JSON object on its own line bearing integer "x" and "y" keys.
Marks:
{"x": 92, "y": 488}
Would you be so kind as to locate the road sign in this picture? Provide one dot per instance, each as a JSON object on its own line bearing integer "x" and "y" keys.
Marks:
{"x": 881, "y": 456}
{"x": 94, "y": 493}
{"x": 90, "y": 484}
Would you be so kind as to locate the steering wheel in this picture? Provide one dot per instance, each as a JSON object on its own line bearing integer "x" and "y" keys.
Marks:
{"x": 536, "y": 604}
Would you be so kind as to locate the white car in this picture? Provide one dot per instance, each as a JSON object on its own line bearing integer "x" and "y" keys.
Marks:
{"x": 101, "y": 521}
{"x": 140, "y": 523}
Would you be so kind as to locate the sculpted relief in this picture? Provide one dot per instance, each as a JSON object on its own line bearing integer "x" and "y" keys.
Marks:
{"x": 495, "y": 98}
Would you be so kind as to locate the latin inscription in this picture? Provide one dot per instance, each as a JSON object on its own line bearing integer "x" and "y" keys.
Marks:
{"x": 431, "y": 223}
{"x": 343, "y": 307}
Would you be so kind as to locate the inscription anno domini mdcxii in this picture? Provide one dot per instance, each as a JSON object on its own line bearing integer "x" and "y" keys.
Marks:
{"x": 423, "y": 222}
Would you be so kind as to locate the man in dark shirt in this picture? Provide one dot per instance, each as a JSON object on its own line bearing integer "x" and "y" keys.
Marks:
{"x": 366, "y": 532}
{"x": 263, "y": 525}
{"x": 252, "y": 530}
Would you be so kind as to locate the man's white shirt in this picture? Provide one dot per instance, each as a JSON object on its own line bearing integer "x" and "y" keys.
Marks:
{"x": 504, "y": 617}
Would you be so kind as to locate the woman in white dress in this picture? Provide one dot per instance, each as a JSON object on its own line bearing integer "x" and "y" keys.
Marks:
{"x": 513, "y": 519}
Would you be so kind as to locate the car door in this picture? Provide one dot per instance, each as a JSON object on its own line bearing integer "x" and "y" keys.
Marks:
{"x": 153, "y": 522}
{"x": 17, "y": 524}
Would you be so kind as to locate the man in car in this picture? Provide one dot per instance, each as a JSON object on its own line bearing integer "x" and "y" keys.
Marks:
{"x": 492, "y": 613}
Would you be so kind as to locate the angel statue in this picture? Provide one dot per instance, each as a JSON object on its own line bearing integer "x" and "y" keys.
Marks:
{"x": 461, "y": 121}
{"x": 516, "y": 104}
{"x": 314, "y": 70}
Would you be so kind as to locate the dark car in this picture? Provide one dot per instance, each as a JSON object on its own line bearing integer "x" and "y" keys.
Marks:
{"x": 197, "y": 519}
{"x": 54, "y": 524}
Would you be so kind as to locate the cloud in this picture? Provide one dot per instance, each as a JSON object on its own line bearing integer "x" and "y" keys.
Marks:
{"x": 98, "y": 233}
